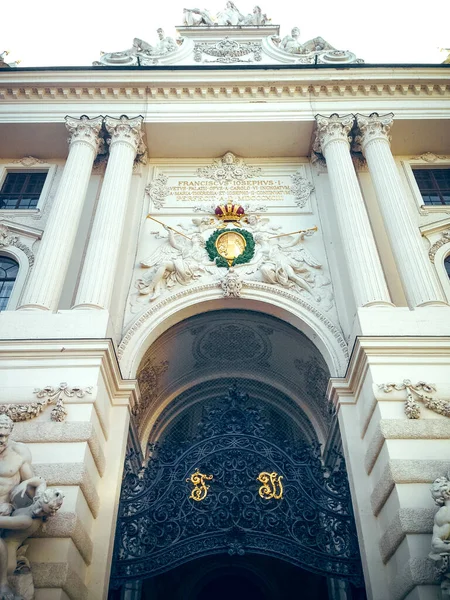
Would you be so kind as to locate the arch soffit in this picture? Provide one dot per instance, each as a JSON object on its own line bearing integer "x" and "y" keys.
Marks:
{"x": 282, "y": 304}
{"x": 305, "y": 410}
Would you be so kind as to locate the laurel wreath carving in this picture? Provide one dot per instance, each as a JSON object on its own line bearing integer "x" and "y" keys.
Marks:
{"x": 243, "y": 258}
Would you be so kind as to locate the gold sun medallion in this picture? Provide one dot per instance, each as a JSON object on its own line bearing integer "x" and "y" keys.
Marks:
{"x": 230, "y": 245}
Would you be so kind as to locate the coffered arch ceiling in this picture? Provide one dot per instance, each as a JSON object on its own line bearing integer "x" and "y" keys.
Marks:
{"x": 199, "y": 358}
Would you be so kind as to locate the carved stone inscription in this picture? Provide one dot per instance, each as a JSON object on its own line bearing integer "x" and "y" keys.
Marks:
{"x": 267, "y": 190}
{"x": 231, "y": 179}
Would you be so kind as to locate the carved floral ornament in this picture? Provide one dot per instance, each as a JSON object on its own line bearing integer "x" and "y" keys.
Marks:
{"x": 445, "y": 239}
{"x": 8, "y": 239}
{"x": 45, "y": 397}
{"x": 415, "y": 393}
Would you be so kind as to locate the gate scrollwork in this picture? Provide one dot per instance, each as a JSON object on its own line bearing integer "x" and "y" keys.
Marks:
{"x": 303, "y": 516}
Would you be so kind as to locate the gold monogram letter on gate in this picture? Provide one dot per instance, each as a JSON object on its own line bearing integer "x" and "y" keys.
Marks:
{"x": 271, "y": 485}
{"x": 200, "y": 490}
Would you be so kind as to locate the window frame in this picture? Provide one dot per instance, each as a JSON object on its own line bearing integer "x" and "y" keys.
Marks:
{"x": 24, "y": 266}
{"x": 18, "y": 168}
{"x": 420, "y": 163}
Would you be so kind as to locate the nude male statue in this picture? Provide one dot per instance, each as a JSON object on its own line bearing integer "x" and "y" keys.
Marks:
{"x": 15, "y": 467}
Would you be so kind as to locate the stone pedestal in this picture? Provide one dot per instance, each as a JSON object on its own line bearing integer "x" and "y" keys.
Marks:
{"x": 366, "y": 274}
{"x": 97, "y": 279}
{"x": 49, "y": 271}
{"x": 420, "y": 283}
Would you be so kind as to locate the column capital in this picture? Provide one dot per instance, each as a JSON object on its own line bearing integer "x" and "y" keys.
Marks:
{"x": 332, "y": 128}
{"x": 85, "y": 130}
{"x": 373, "y": 127}
{"x": 127, "y": 131}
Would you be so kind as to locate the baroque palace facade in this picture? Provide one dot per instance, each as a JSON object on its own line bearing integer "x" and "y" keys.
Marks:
{"x": 224, "y": 264}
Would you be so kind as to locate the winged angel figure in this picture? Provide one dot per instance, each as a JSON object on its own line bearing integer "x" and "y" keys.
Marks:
{"x": 285, "y": 263}
{"x": 177, "y": 260}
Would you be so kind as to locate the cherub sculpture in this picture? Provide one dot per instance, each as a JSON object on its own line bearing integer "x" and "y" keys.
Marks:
{"x": 177, "y": 260}
{"x": 440, "y": 542}
{"x": 286, "y": 263}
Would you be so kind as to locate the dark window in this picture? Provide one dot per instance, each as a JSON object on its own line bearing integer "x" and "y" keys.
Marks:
{"x": 447, "y": 264}
{"x": 21, "y": 190}
{"x": 8, "y": 273}
{"x": 434, "y": 185}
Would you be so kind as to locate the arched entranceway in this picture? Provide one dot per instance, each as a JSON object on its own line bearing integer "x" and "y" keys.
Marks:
{"x": 237, "y": 478}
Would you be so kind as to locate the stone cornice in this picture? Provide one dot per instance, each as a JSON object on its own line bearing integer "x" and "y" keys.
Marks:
{"x": 390, "y": 349}
{"x": 195, "y": 85}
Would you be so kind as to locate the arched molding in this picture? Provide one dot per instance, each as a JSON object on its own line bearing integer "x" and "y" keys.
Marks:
{"x": 22, "y": 259}
{"x": 258, "y": 297}
{"x": 154, "y": 414}
{"x": 440, "y": 255}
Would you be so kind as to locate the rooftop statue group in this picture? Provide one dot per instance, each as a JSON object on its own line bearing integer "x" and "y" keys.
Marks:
{"x": 292, "y": 45}
{"x": 229, "y": 16}
{"x": 25, "y": 502}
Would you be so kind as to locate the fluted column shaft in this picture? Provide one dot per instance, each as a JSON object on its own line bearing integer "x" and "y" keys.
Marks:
{"x": 47, "y": 277}
{"x": 420, "y": 284}
{"x": 366, "y": 274}
{"x": 100, "y": 264}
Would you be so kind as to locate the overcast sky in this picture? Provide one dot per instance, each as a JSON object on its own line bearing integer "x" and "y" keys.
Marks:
{"x": 59, "y": 33}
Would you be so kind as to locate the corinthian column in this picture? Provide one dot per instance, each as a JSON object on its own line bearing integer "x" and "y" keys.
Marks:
{"x": 49, "y": 271}
{"x": 366, "y": 274}
{"x": 100, "y": 264}
{"x": 419, "y": 282}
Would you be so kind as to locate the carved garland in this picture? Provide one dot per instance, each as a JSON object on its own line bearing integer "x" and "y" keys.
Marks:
{"x": 445, "y": 239}
{"x": 7, "y": 239}
{"x": 413, "y": 394}
{"x": 220, "y": 261}
{"x": 45, "y": 396}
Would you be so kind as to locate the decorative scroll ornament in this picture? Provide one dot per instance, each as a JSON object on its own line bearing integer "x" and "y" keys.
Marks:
{"x": 301, "y": 188}
{"x": 7, "y": 239}
{"x": 231, "y": 284}
{"x": 228, "y": 168}
{"x": 429, "y": 157}
{"x": 148, "y": 380}
{"x": 45, "y": 397}
{"x": 228, "y": 51}
{"x": 158, "y": 190}
{"x": 200, "y": 490}
{"x": 440, "y": 541}
{"x": 413, "y": 394}
{"x": 271, "y": 486}
{"x": 29, "y": 161}
{"x": 445, "y": 239}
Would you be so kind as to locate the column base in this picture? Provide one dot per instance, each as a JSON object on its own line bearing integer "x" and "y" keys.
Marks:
{"x": 34, "y": 307}
{"x": 87, "y": 307}
{"x": 433, "y": 303}
{"x": 379, "y": 304}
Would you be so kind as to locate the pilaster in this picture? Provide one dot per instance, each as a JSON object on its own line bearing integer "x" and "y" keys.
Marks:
{"x": 420, "y": 283}
{"x": 97, "y": 279}
{"x": 366, "y": 274}
{"x": 47, "y": 277}
{"x": 392, "y": 457}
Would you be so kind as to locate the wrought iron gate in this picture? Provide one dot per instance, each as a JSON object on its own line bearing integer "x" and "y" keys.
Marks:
{"x": 236, "y": 488}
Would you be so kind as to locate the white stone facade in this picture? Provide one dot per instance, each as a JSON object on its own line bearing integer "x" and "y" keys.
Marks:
{"x": 99, "y": 282}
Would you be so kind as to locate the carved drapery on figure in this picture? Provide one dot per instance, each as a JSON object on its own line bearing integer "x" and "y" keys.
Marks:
{"x": 230, "y": 16}
{"x": 25, "y": 502}
{"x": 440, "y": 542}
{"x": 142, "y": 53}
